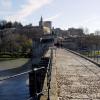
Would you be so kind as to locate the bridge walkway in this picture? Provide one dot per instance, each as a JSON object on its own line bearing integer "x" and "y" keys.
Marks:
{"x": 77, "y": 78}
{"x": 73, "y": 78}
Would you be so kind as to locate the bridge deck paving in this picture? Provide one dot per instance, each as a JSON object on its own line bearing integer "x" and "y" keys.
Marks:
{"x": 77, "y": 78}
{"x": 73, "y": 78}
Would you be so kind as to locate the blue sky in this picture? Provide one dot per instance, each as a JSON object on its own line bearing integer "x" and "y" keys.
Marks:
{"x": 63, "y": 13}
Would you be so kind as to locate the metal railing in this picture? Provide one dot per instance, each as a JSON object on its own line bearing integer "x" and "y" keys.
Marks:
{"x": 49, "y": 70}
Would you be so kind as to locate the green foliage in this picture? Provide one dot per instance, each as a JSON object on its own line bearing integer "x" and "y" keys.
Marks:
{"x": 15, "y": 45}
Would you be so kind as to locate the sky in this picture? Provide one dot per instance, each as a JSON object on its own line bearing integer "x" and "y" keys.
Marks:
{"x": 63, "y": 13}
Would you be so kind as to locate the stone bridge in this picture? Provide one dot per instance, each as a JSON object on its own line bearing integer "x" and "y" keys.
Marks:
{"x": 73, "y": 78}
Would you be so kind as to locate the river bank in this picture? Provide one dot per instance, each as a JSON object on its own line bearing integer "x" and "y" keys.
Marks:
{"x": 12, "y": 63}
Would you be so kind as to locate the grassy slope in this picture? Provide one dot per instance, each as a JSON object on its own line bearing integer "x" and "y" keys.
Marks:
{"x": 9, "y": 64}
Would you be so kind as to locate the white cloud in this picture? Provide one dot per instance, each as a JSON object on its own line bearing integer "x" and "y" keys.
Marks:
{"x": 5, "y": 4}
{"x": 54, "y": 17}
{"x": 28, "y": 9}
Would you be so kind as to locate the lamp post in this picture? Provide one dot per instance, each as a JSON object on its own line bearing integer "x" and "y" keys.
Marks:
{"x": 35, "y": 70}
{"x": 33, "y": 83}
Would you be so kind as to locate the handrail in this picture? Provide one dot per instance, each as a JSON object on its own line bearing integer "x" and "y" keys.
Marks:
{"x": 15, "y": 75}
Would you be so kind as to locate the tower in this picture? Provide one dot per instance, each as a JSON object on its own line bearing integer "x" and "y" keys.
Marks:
{"x": 41, "y": 23}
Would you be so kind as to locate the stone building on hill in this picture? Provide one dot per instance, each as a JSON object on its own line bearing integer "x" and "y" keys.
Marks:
{"x": 46, "y": 26}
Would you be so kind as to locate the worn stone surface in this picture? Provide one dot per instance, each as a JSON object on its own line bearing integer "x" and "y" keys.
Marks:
{"x": 77, "y": 78}
{"x": 73, "y": 78}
